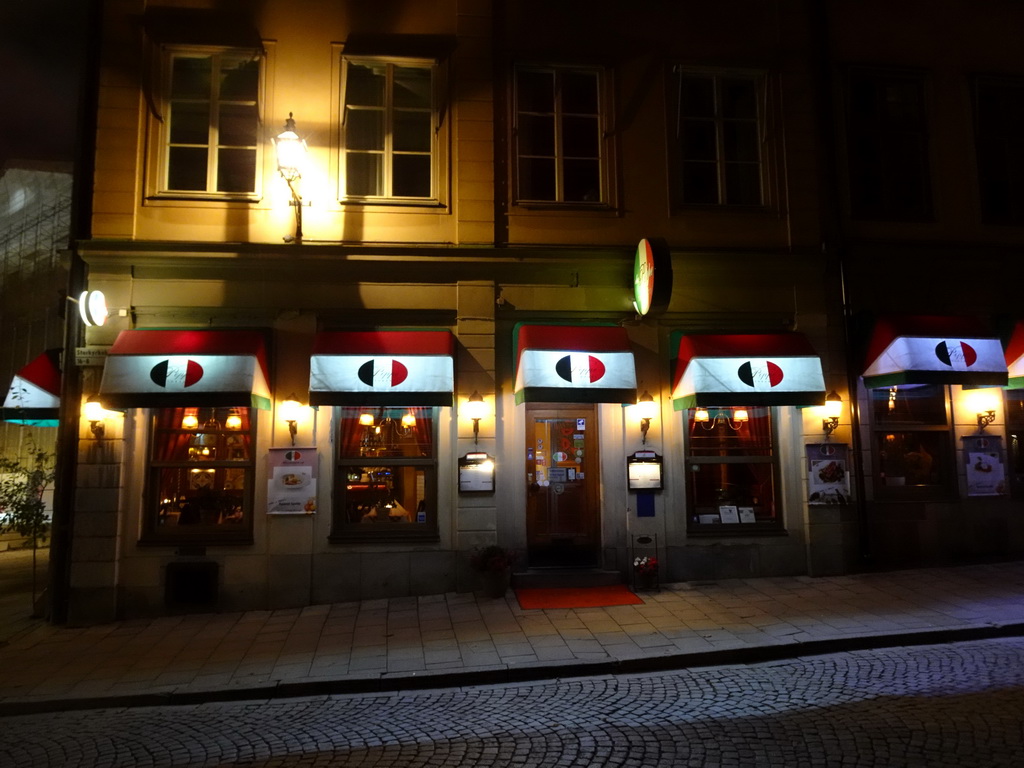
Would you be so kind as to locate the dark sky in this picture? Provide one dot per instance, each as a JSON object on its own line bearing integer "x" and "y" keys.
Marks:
{"x": 41, "y": 47}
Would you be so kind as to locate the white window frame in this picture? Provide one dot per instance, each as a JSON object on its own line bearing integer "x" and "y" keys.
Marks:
{"x": 160, "y": 157}
{"x": 437, "y": 156}
{"x": 559, "y": 157}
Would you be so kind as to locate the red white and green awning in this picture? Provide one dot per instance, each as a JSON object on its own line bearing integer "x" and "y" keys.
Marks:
{"x": 175, "y": 368}
{"x": 746, "y": 369}
{"x": 34, "y": 396}
{"x": 574, "y": 363}
{"x": 413, "y": 367}
{"x": 933, "y": 349}
{"x": 1015, "y": 358}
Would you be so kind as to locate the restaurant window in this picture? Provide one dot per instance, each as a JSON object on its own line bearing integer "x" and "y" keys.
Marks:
{"x": 731, "y": 466}
{"x": 912, "y": 442}
{"x": 999, "y": 142}
{"x": 1015, "y": 436}
{"x": 887, "y": 146}
{"x": 558, "y": 135}
{"x": 200, "y": 476}
{"x": 209, "y": 124}
{"x": 386, "y": 485}
{"x": 389, "y": 131}
{"x": 717, "y": 135}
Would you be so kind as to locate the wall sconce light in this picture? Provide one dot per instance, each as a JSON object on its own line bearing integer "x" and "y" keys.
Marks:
{"x": 289, "y": 413}
{"x": 831, "y": 410}
{"x": 723, "y": 417}
{"x": 475, "y": 408}
{"x": 95, "y": 413}
{"x": 986, "y": 417}
{"x": 291, "y": 157}
{"x": 646, "y": 409}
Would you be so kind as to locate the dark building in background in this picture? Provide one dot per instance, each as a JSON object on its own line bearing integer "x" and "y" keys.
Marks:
{"x": 563, "y": 212}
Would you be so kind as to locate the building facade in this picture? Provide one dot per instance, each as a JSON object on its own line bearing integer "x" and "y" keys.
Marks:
{"x": 559, "y": 224}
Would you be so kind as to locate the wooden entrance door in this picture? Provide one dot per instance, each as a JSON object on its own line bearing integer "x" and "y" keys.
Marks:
{"x": 563, "y": 526}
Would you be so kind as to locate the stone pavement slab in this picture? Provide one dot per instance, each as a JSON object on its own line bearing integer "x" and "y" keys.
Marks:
{"x": 465, "y": 639}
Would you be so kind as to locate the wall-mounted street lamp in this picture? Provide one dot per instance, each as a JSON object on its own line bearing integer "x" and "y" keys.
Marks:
{"x": 289, "y": 413}
{"x": 94, "y": 412}
{"x": 646, "y": 409}
{"x": 291, "y": 158}
{"x": 986, "y": 417}
{"x": 475, "y": 409}
{"x": 830, "y": 411}
{"x": 92, "y": 306}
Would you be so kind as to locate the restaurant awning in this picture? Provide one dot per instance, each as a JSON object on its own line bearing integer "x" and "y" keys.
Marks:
{"x": 933, "y": 349}
{"x": 382, "y": 368}
{"x": 746, "y": 369}
{"x": 164, "y": 369}
{"x": 1015, "y": 358}
{"x": 34, "y": 396}
{"x": 573, "y": 364}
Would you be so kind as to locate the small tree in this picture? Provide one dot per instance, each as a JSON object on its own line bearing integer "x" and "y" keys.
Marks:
{"x": 22, "y": 509}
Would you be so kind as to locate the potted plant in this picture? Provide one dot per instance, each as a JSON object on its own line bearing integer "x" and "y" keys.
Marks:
{"x": 645, "y": 571}
{"x": 494, "y": 564}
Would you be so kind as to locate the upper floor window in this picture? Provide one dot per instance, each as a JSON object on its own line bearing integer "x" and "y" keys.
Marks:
{"x": 210, "y": 134}
{"x": 389, "y": 128}
{"x": 716, "y": 147}
{"x": 558, "y": 135}
{"x": 999, "y": 137}
{"x": 887, "y": 146}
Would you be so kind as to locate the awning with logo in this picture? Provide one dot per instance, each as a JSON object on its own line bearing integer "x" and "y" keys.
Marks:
{"x": 382, "y": 368}
{"x": 933, "y": 349}
{"x": 574, "y": 364}
{"x": 34, "y": 396}
{"x": 163, "y": 369}
{"x": 1015, "y": 358}
{"x": 746, "y": 369}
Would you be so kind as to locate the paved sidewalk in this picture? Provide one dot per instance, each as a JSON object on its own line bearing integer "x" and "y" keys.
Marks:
{"x": 463, "y": 639}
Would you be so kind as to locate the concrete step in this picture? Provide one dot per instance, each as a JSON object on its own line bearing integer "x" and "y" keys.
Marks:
{"x": 539, "y": 578}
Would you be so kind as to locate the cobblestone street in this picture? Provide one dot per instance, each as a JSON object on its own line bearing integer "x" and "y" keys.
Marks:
{"x": 946, "y": 705}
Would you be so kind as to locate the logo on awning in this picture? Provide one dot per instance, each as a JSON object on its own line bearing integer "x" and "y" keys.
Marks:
{"x": 580, "y": 369}
{"x": 956, "y": 354}
{"x": 382, "y": 373}
{"x": 760, "y": 374}
{"x": 176, "y": 373}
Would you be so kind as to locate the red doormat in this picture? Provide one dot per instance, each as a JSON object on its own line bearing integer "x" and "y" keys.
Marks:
{"x": 576, "y": 597}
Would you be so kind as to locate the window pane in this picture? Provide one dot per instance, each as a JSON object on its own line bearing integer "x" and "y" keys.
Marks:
{"x": 236, "y": 170}
{"x": 387, "y": 431}
{"x": 579, "y": 93}
{"x": 906, "y": 404}
{"x": 582, "y": 181}
{"x": 364, "y": 174}
{"x": 743, "y": 184}
{"x": 191, "y": 77}
{"x": 187, "y": 171}
{"x": 412, "y": 132}
{"x": 412, "y": 88}
{"x": 913, "y": 458}
{"x": 580, "y": 137}
{"x": 535, "y": 91}
{"x": 536, "y": 179}
{"x": 700, "y": 183}
{"x": 700, "y": 141}
{"x": 366, "y": 84}
{"x": 738, "y": 98}
{"x": 364, "y": 130}
{"x": 537, "y": 135}
{"x": 385, "y": 494}
{"x": 412, "y": 176}
{"x": 190, "y": 123}
{"x": 740, "y": 141}
{"x": 730, "y": 432}
{"x": 240, "y": 82}
{"x": 238, "y": 125}
{"x": 697, "y": 96}
{"x": 750, "y": 487}
{"x": 197, "y": 497}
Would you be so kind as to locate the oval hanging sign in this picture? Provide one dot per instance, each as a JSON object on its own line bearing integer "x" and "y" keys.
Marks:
{"x": 652, "y": 277}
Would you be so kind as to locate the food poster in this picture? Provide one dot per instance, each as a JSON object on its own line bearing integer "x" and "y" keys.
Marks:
{"x": 986, "y": 473}
{"x": 291, "y": 487}
{"x": 828, "y": 478}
